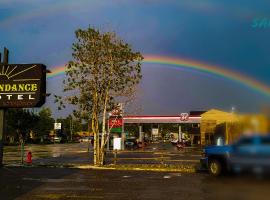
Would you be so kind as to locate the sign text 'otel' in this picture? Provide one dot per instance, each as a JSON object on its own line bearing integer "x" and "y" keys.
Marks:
{"x": 22, "y": 85}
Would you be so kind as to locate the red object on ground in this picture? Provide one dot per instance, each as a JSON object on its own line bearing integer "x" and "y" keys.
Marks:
{"x": 29, "y": 157}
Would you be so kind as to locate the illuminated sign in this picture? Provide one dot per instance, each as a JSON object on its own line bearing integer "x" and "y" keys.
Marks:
{"x": 57, "y": 126}
{"x": 22, "y": 85}
{"x": 184, "y": 117}
{"x": 115, "y": 122}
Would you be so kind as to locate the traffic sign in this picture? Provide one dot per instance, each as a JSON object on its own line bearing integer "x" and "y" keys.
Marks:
{"x": 57, "y": 126}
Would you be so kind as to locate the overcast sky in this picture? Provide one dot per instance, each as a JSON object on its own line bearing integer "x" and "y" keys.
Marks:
{"x": 217, "y": 32}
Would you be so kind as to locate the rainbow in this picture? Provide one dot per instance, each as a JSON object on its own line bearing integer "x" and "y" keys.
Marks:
{"x": 194, "y": 65}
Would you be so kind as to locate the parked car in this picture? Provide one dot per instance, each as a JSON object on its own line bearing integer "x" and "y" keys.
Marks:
{"x": 131, "y": 143}
{"x": 249, "y": 153}
{"x": 86, "y": 139}
{"x": 56, "y": 139}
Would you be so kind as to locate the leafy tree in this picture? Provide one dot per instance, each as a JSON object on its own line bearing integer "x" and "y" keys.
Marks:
{"x": 70, "y": 126}
{"x": 45, "y": 123}
{"x": 20, "y": 122}
{"x": 104, "y": 69}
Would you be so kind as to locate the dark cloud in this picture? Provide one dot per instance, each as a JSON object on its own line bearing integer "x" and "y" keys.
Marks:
{"x": 215, "y": 32}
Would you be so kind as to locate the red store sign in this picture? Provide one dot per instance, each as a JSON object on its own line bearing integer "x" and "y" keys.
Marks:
{"x": 115, "y": 122}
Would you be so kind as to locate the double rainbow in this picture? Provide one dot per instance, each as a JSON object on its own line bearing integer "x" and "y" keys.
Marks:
{"x": 194, "y": 65}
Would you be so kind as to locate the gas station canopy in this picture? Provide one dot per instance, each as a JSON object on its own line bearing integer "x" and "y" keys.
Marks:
{"x": 183, "y": 118}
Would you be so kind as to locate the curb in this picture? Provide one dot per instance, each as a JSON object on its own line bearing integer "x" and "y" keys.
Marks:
{"x": 183, "y": 170}
{"x": 158, "y": 168}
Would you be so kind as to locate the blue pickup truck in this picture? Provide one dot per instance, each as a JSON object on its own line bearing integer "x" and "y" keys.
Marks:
{"x": 247, "y": 153}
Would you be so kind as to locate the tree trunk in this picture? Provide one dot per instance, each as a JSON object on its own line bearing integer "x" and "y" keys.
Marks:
{"x": 96, "y": 140}
{"x": 95, "y": 131}
{"x": 103, "y": 139}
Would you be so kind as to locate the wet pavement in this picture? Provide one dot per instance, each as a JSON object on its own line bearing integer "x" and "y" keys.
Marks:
{"x": 45, "y": 153}
{"x": 77, "y": 153}
{"x": 61, "y": 183}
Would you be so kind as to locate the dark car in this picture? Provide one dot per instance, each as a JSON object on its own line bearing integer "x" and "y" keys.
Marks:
{"x": 131, "y": 143}
{"x": 249, "y": 153}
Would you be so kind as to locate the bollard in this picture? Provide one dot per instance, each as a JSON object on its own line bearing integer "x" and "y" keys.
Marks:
{"x": 29, "y": 157}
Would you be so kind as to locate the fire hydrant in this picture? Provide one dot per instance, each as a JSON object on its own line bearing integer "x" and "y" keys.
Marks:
{"x": 29, "y": 157}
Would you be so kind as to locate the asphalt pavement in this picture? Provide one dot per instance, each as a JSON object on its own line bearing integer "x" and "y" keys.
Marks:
{"x": 57, "y": 181}
{"x": 62, "y": 183}
{"x": 81, "y": 154}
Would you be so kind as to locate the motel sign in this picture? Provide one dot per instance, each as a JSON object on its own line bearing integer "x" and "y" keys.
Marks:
{"x": 22, "y": 85}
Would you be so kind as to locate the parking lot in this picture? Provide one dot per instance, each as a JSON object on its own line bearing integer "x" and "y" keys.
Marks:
{"x": 50, "y": 177}
{"x": 63, "y": 183}
{"x": 77, "y": 153}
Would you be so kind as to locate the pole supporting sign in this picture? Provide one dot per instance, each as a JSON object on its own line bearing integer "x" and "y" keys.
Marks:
{"x": 22, "y": 85}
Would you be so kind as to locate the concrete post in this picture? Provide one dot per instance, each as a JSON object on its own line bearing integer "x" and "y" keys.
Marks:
{"x": 140, "y": 133}
{"x": 179, "y": 133}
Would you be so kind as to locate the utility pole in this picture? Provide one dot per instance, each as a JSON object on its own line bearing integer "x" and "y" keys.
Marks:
{"x": 2, "y": 113}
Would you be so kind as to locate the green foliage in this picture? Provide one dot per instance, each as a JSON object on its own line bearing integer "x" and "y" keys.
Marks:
{"x": 70, "y": 125}
{"x": 103, "y": 66}
{"x": 19, "y": 122}
{"x": 45, "y": 123}
{"x": 103, "y": 69}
